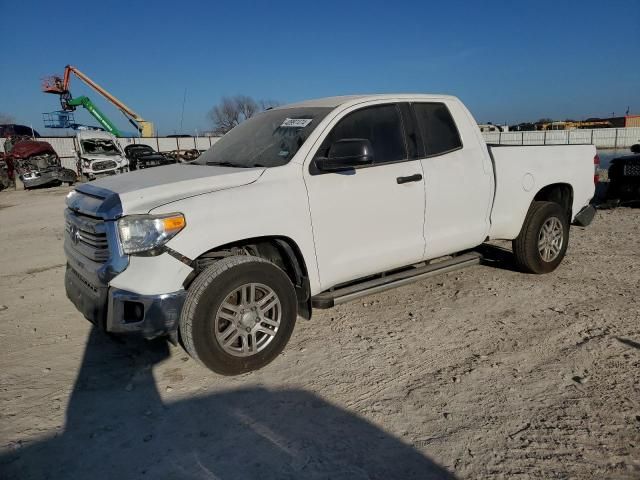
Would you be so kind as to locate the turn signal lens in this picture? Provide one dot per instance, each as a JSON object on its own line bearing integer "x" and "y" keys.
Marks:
{"x": 173, "y": 223}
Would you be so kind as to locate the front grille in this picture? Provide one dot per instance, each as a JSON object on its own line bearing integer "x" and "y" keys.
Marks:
{"x": 87, "y": 235}
{"x": 84, "y": 281}
{"x": 103, "y": 165}
{"x": 632, "y": 170}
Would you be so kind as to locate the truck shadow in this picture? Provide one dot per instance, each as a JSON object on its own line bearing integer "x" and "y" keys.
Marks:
{"x": 497, "y": 257}
{"x": 118, "y": 426}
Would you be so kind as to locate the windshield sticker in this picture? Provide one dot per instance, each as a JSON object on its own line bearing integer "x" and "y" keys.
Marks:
{"x": 296, "y": 122}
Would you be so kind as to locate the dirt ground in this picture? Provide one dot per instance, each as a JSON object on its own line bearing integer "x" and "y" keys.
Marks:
{"x": 482, "y": 373}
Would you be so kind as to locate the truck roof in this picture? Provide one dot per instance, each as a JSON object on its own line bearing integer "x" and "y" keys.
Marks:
{"x": 354, "y": 99}
{"x": 90, "y": 134}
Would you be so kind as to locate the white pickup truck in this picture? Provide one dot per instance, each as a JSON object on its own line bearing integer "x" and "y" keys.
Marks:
{"x": 307, "y": 206}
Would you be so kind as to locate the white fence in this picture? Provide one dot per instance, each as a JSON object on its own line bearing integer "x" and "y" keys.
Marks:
{"x": 66, "y": 147}
{"x": 601, "y": 137}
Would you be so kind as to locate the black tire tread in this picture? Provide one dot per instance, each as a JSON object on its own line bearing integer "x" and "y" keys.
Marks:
{"x": 197, "y": 289}
{"x": 525, "y": 244}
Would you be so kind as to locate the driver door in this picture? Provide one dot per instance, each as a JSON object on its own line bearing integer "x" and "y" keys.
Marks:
{"x": 369, "y": 219}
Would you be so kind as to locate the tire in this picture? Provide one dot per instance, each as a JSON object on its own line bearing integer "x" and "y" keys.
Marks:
{"x": 204, "y": 320}
{"x": 532, "y": 258}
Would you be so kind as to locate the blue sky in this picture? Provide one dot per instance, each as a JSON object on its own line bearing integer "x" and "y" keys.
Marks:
{"x": 508, "y": 61}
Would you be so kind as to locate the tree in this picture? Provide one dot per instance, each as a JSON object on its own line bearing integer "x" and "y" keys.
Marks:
{"x": 6, "y": 118}
{"x": 233, "y": 110}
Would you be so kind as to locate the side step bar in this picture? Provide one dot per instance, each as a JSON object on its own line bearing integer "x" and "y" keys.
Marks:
{"x": 369, "y": 287}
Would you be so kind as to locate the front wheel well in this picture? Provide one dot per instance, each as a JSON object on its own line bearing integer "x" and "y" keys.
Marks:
{"x": 279, "y": 250}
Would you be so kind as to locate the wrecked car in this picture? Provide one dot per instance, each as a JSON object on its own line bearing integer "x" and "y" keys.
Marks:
{"x": 184, "y": 155}
{"x": 624, "y": 177}
{"x": 37, "y": 164}
{"x": 143, "y": 156}
{"x": 7, "y": 176}
{"x": 5, "y": 180}
{"x": 99, "y": 155}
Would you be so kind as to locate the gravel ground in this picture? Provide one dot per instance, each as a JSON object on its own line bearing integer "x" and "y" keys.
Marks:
{"x": 482, "y": 373}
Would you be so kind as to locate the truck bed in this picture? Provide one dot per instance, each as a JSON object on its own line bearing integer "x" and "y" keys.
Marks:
{"x": 522, "y": 171}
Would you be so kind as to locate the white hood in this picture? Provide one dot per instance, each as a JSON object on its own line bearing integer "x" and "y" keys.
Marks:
{"x": 119, "y": 160}
{"x": 143, "y": 190}
{"x": 92, "y": 157}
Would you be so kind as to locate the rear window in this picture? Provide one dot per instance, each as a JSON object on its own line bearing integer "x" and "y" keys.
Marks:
{"x": 438, "y": 129}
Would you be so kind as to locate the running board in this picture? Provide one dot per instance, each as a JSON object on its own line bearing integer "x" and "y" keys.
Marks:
{"x": 369, "y": 287}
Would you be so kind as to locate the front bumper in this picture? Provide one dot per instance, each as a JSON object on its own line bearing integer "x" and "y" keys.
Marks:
{"x": 119, "y": 311}
{"x": 39, "y": 181}
{"x": 99, "y": 174}
{"x": 45, "y": 178}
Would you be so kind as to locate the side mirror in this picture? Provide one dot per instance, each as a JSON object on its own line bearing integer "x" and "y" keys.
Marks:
{"x": 345, "y": 154}
{"x": 635, "y": 148}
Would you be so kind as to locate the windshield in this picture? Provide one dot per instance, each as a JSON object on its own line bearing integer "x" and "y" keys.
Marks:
{"x": 269, "y": 139}
{"x": 100, "y": 147}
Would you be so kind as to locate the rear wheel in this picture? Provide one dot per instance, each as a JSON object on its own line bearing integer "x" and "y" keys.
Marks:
{"x": 544, "y": 238}
{"x": 239, "y": 315}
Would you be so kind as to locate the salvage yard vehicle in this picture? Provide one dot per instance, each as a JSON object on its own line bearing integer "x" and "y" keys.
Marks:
{"x": 99, "y": 155}
{"x": 184, "y": 155}
{"x": 37, "y": 164}
{"x": 308, "y": 206}
{"x": 5, "y": 176}
{"x": 624, "y": 177}
{"x": 142, "y": 156}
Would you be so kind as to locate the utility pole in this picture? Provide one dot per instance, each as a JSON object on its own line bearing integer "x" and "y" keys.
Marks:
{"x": 184, "y": 99}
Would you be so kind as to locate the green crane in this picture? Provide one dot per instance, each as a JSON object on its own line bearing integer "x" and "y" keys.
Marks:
{"x": 95, "y": 112}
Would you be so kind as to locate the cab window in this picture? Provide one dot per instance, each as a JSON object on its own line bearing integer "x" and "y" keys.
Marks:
{"x": 437, "y": 127}
{"x": 380, "y": 124}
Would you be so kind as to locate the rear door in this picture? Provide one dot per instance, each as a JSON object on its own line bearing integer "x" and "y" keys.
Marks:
{"x": 458, "y": 185}
{"x": 369, "y": 219}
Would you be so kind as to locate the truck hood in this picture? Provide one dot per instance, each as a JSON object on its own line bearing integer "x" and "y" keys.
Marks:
{"x": 143, "y": 190}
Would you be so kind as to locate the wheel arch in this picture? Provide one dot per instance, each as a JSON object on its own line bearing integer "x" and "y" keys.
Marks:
{"x": 280, "y": 250}
{"x": 560, "y": 193}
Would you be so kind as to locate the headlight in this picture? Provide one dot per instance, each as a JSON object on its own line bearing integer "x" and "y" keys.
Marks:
{"x": 141, "y": 233}
{"x": 85, "y": 162}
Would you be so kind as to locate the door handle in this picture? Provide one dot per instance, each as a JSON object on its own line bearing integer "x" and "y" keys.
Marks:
{"x": 411, "y": 178}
